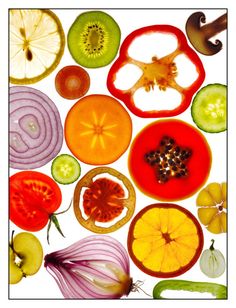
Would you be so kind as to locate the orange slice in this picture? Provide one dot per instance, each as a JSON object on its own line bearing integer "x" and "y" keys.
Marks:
{"x": 98, "y": 129}
{"x": 165, "y": 240}
{"x": 37, "y": 44}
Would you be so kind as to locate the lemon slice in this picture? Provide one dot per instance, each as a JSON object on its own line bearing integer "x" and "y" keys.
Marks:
{"x": 37, "y": 42}
{"x": 165, "y": 240}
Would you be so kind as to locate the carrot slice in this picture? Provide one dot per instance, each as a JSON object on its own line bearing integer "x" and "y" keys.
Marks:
{"x": 72, "y": 82}
{"x": 98, "y": 129}
{"x": 165, "y": 240}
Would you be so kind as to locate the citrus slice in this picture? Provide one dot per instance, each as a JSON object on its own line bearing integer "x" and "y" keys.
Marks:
{"x": 212, "y": 207}
{"x": 98, "y": 129}
{"x": 165, "y": 240}
{"x": 37, "y": 42}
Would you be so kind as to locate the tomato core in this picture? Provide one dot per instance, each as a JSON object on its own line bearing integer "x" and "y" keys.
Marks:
{"x": 103, "y": 200}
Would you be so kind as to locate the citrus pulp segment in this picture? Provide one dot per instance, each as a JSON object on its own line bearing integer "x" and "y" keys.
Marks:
{"x": 37, "y": 44}
{"x": 165, "y": 240}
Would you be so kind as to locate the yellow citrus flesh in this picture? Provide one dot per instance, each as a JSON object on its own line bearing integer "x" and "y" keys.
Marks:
{"x": 37, "y": 44}
{"x": 165, "y": 240}
{"x": 212, "y": 205}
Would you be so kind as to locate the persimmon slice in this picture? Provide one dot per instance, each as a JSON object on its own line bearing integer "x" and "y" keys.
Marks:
{"x": 104, "y": 200}
{"x": 98, "y": 129}
{"x": 165, "y": 240}
{"x": 169, "y": 160}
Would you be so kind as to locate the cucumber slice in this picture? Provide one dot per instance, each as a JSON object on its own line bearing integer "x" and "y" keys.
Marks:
{"x": 209, "y": 108}
{"x": 65, "y": 169}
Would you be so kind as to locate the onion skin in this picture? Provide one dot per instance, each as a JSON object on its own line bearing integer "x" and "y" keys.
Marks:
{"x": 94, "y": 267}
{"x": 36, "y": 132}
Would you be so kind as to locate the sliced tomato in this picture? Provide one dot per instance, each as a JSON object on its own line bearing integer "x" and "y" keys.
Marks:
{"x": 103, "y": 200}
{"x": 169, "y": 160}
{"x": 34, "y": 196}
{"x": 98, "y": 129}
{"x": 165, "y": 240}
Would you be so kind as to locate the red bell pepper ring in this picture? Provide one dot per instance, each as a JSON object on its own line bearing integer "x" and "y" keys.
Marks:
{"x": 160, "y": 72}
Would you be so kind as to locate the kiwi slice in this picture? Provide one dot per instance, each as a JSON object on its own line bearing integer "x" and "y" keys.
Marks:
{"x": 93, "y": 39}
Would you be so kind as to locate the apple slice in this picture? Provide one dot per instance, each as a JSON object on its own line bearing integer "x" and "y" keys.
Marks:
{"x": 26, "y": 255}
{"x": 16, "y": 273}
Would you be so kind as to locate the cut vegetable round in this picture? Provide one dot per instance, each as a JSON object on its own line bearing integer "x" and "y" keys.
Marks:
{"x": 94, "y": 39}
{"x": 98, "y": 129}
{"x": 209, "y": 108}
{"x": 165, "y": 240}
{"x": 169, "y": 160}
{"x": 37, "y": 44}
{"x": 104, "y": 200}
{"x": 36, "y": 132}
{"x": 212, "y": 203}
{"x": 65, "y": 169}
{"x": 72, "y": 82}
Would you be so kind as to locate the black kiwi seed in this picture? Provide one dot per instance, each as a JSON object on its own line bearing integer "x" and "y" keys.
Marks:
{"x": 93, "y": 39}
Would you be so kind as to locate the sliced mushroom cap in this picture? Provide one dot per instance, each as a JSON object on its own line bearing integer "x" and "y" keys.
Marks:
{"x": 199, "y": 35}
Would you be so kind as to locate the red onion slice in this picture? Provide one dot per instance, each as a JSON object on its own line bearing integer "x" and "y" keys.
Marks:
{"x": 94, "y": 267}
{"x": 36, "y": 132}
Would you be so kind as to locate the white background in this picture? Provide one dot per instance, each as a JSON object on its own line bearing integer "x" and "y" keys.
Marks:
{"x": 42, "y": 284}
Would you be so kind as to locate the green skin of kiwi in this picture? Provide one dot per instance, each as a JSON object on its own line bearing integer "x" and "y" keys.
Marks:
{"x": 94, "y": 39}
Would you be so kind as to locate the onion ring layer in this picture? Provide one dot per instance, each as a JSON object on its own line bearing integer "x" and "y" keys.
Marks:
{"x": 36, "y": 132}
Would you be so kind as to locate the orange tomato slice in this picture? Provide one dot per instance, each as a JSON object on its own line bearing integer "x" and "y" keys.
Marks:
{"x": 165, "y": 240}
{"x": 104, "y": 200}
{"x": 98, "y": 129}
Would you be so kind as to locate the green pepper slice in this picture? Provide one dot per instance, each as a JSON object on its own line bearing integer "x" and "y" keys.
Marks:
{"x": 217, "y": 290}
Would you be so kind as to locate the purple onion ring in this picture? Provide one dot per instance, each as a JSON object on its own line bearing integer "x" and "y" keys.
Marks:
{"x": 36, "y": 132}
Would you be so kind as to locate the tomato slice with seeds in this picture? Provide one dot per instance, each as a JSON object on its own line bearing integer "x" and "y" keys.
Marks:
{"x": 165, "y": 240}
{"x": 169, "y": 160}
{"x": 103, "y": 200}
{"x": 34, "y": 196}
{"x": 98, "y": 129}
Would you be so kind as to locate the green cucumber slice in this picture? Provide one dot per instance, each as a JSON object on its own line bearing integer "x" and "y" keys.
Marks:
{"x": 65, "y": 169}
{"x": 209, "y": 108}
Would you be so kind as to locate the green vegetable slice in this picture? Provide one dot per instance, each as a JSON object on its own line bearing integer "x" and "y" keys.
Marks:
{"x": 217, "y": 290}
{"x": 209, "y": 108}
{"x": 65, "y": 169}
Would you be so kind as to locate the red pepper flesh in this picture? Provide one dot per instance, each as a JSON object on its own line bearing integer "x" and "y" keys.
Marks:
{"x": 160, "y": 72}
